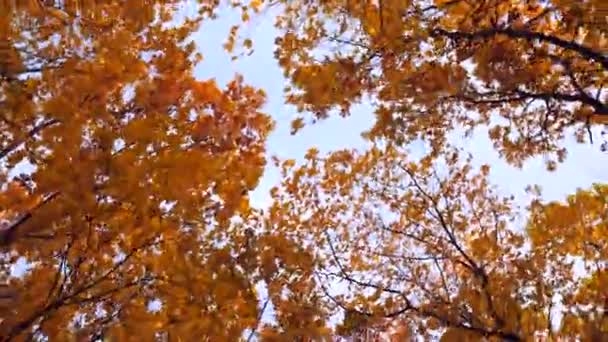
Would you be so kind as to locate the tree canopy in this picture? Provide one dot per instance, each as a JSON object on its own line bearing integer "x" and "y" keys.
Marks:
{"x": 124, "y": 179}
{"x": 431, "y": 246}
{"x": 533, "y": 71}
{"x": 137, "y": 170}
{"x": 427, "y": 244}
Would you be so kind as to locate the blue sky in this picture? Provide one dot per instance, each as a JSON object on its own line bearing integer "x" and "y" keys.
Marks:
{"x": 584, "y": 166}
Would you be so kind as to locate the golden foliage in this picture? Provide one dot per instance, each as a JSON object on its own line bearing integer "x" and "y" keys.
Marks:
{"x": 429, "y": 246}
{"x": 533, "y": 71}
{"x": 125, "y": 180}
{"x": 137, "y": 171}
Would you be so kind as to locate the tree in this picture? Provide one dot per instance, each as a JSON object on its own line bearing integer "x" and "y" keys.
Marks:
{"x": 533, "y": 71}
{"x": 124, "y": 179}
{"x": 431, "y": 246}
{"x": 121, "y": 179}
{"x": 428, "y": 243}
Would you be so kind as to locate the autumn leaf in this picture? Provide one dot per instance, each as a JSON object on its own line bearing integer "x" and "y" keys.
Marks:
{"x": 296, "y": 125}
{"x": 247, "y": 43}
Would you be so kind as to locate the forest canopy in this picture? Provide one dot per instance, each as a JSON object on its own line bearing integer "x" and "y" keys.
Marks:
{"x": 125, "y": 179}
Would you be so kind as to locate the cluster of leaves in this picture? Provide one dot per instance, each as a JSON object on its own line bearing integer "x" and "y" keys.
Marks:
{"x": 426, "y": 247}
{"x": 429, "y": 246}
{"x": 534, "y": 71}
{"x": 120, "y": 176}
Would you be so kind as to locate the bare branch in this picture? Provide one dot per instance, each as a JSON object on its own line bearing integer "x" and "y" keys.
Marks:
{"x": 252, "y": 333}
{"x": 344, "y": 274}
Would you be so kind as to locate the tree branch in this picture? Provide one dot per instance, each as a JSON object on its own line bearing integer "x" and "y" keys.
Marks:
{"x": 12, "y": 146}
{"x": 517, "y": 95}
{"x": 252, "y": 333}
{"x": 582, "y": 50}
{"x": 73, "y": 298}
{"x": 408, "y": 307}
{"x": 8, "y": 235}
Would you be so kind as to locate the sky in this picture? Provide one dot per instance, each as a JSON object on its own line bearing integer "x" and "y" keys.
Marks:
{"x": 585, "y": 164}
